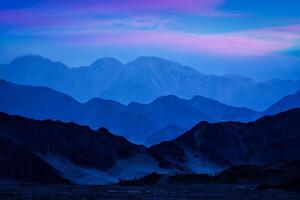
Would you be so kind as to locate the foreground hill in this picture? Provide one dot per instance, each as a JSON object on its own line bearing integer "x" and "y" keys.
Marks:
{"x": 69, "y": 149}
{"x": 137, "y": 122}
{"x": 19, "y": 164}
{"x": 269, "y": 139}
{"x": 148, "y": 77}
{"x": 65, "y": 152}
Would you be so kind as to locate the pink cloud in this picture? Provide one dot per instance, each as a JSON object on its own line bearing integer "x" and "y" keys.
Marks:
{"x": 75, "y": 21}
{"x": 245, "y": 43}
{"x": 290, "y": 28}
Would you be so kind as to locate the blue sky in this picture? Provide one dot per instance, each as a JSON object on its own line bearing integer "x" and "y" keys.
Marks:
{"x": 257, "y": 38}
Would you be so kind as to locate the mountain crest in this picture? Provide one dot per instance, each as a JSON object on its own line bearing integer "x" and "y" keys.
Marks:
{"x": 29, "y": 58}
{"x": 106, "y": 61}
{"x": 151, "y": 61}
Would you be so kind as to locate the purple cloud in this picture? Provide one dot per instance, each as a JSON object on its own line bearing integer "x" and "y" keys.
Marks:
{"x": 141, "y": 25}
{"x": 69, "y": 11}
{"x": 245, "y": 43}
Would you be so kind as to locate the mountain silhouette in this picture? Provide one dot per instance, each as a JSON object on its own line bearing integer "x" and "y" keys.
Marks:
{"x": 269, "y": 139}
{"x": 143, "y": 80}
{"x": 134, "y": 121}
{"x": 56, "y": 152}
{"x": 70, "y": 149}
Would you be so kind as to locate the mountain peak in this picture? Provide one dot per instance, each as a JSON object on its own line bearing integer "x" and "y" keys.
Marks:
{"x": 151, "y": 59}
{"x": 37, "y": 61}
{"x": 106, "y": 61}
{"x": 167, "y": 99}
{"x": 103, "y": 130}
{"x": 29, "y": 58}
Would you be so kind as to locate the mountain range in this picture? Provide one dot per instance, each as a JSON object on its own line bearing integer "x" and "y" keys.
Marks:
{"x": 140, "y": 123}
{"x": 110, "y": 121}
{"x": 266, "y": 140}
{"x": 163, "y": 119}
{"x": 143, "y": 80}
{"x": 65, "y": 152}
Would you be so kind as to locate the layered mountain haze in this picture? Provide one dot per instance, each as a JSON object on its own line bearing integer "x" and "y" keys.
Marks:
{"x": 143, "y": 80}
{"x": 140, "y": 123}
{"x": 149, "y": 99}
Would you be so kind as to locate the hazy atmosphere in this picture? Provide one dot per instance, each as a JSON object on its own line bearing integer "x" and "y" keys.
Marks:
{"x": 258, "y": 39}
{"x": 150, "y": 99}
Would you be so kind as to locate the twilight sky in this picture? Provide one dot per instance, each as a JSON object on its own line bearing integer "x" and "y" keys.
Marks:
{"x": 255, "y": 38}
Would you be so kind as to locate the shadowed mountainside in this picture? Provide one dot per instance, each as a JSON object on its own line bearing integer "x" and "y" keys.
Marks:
{"x": 269, "y": 139}
{"x": 18, "y": 164}
{"x": 63, "y": 151}
{"x": 61, "y": 145}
